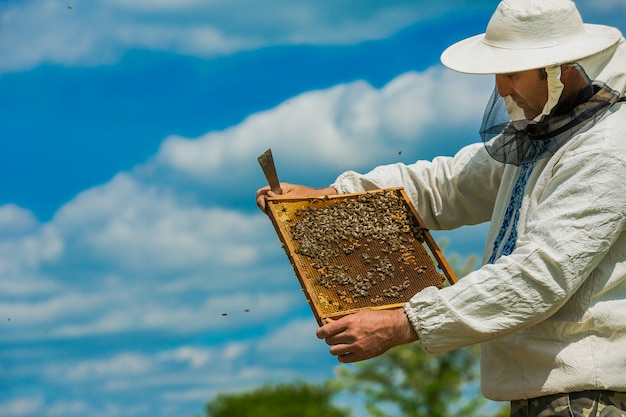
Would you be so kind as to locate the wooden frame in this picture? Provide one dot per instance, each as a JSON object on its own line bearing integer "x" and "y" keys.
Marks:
{"x": 351, "y": 252}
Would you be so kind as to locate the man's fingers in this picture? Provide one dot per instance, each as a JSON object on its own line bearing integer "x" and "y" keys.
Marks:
{"x": 261, "y": 197}
{"x": 331, "y": 328}
{"x": 340, "y": 350}
{"x": 349, "y": 358}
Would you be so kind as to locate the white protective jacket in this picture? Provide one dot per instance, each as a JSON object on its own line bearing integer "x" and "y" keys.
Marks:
{"x": 551, "y": 315}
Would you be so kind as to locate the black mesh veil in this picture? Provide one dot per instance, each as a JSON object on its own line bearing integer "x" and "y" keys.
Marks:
{"x": 522, "y": 141}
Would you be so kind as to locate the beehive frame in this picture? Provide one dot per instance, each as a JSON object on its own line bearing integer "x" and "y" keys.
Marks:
{"x": 358, "y": 251}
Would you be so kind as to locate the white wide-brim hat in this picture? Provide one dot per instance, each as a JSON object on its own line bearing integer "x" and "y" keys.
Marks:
{"x": 529, "y": 34}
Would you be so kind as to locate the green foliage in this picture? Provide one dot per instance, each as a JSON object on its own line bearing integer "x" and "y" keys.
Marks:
{"x": 283, "y": 400}
{"x": 409, "y": 382}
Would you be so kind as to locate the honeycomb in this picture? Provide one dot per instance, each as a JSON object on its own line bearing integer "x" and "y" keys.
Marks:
{"x": 358, "y": 251}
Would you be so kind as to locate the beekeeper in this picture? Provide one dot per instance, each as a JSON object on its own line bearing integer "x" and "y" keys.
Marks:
{"x": 548, "y": 305}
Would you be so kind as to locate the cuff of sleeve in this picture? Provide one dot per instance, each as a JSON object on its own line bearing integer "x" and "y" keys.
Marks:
{"x": 431, "y": 320}
{"x": 349, "y": 182}
{"x": 338, "y": 185}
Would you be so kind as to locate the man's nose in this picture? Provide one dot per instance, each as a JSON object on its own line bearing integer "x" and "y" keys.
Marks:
{"x": 503, "y": 85}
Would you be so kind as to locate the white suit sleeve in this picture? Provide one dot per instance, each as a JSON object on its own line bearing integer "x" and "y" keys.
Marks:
{"x": 448, "y": 192}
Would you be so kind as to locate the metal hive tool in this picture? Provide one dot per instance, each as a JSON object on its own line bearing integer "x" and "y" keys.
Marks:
{"x": 358, "y": 251}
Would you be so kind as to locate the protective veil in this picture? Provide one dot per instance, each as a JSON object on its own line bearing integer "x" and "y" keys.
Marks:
{"x": 512, "y": 139}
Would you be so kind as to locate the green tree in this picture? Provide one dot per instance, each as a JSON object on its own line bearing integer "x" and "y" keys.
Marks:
{"x": 283, "y": 400}
{"x": 409, "y": 382}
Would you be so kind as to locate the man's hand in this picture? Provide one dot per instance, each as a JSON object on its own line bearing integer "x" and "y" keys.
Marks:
{"x": 292, "y": 190}
{"x": 367, "y": 334}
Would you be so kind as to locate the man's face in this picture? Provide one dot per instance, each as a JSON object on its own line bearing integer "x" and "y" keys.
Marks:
{"x": 529, "y": 89}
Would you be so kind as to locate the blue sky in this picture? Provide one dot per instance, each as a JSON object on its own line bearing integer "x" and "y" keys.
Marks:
{"x": 137, "y": 277}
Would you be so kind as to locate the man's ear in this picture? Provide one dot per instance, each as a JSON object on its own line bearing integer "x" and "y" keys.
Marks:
{"x": 571, "y": 78}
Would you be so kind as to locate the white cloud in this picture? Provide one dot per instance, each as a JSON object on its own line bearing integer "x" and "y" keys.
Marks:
{"x": 125, "y": 308}
{"x": 124, "y": 364}
{"x": 68, "y": 408}
{"x": 24, "y": 406}
{"x": 33, "y": 32}
{"x": 195, "y": 357}
{"x": 24, "y": 246}
{"x": 143, "y": 227}
{"x": 234, "y": 350}
{"x": 294, "y": 338}
{"x": 186, "y": 40}
{"x": 184, "y": 372}
{"x": 120, "y": 257}
{"x": 351, "y": 124}
{"x": 15, "y": 220}
{"x": 61, "y": 307}
{"x": 37, "y": 245}
{"x": 97, "y": 31}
